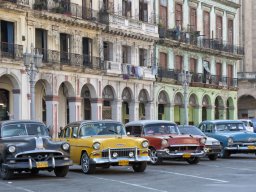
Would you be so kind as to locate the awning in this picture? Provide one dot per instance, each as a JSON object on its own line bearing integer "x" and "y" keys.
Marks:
{"x": 206, "y": 66}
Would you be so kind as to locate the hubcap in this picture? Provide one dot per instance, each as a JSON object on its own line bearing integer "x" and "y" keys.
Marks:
{"x": 85, "y": 163}
{"x": 153, "y": 156}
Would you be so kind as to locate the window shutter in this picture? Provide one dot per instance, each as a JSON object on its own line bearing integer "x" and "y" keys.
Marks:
{"x": 219, "y": 27}
{"x": 163, "y": 60}
{"x": 178, "y": 14}
{"x": 206, "y": 24}
{"x": 178, "y": 63}
{"x": 230, "y": 31}
{"x": 192, "y": 65}
{"x": 193, "y": 19}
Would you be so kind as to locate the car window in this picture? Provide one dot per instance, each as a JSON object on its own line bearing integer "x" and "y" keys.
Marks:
{"x": 209, "y": 128}
{"x": 24, "y": 129}
{"x": 250, "y": 124}
{"x": 230, "y": 127}
{"x": 105, "y": 128}
{"x": 74, "y": 131}
{"x": 160, "y": 128}
{"x": 67, "y": 132}
{"x": 134, "y": 130}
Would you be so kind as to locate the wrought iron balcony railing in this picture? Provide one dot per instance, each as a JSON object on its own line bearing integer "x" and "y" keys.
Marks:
{"x": 10, "y": 50}
{"x": 52, "y": 57}
{"x": 19, "y": 2}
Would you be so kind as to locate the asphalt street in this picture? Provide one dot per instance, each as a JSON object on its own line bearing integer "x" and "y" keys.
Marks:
{"x": 235, "y": 174}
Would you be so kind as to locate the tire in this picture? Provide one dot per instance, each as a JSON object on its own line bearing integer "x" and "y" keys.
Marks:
{"x": 139, "y": 167}
{"x": 224, "y": 153}
{"x": 213, "y": 157}
{"x": 193, "y": 160}
{"x": 87, "y": 167}
{"x": 5, "y": 173}
{"x": 61, "y": 171}
{"x": 154, "y": 160}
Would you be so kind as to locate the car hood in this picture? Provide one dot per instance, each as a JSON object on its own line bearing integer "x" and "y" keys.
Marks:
{"x": 179, "y": 139}
{"x": 116, "y": 141}
{"x": 211, "y": 141}
{"x": 240, "y": 136}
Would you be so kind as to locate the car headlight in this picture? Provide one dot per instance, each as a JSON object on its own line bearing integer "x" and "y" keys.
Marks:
{"x": 65, "y": 146}
{"x": 203, "y": 140}
{"x": 230, "y": 141}
{"x": 96, "y": 145}
{"x": 144, "y": 144}
{"x": 164, "y": 142}
{"x": 11, "y": 149}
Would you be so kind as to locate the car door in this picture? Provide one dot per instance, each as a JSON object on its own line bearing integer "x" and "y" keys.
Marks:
{"x": 74, "y": 143}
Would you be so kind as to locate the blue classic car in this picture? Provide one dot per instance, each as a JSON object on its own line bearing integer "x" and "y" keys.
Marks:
{"x": 232, "y": 134}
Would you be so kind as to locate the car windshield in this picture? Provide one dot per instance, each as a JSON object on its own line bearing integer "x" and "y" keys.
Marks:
{"x": 231, "y": 127}
{"x": 24, "y": 129}
{"x": 161, "y": 128}
{"x": 191, "y": 131}
{"x": 90, "y": 129}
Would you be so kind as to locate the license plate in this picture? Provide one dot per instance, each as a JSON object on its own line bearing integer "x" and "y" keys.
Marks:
{"x": 186, "y": 155}
{"x": 123, "y": 162}
{"x": 251, "y": 147}
{"x": 41, "y": 164}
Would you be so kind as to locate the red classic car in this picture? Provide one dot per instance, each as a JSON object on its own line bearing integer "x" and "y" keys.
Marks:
{"x": 165, "y": 141}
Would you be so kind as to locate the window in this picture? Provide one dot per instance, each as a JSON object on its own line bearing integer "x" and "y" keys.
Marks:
{"x": 126, "y": 54}
{"x": 134, "y": 130}
{"x": 41, "y": 42}
{"x": 143, "y": 57}
{"x": 64, "y": 47}
{"x": 143, "y": 10}
{"x": 126, "y": 8}
{"x": 163, "y": 13}
{"x": 163, "y": 60}
{"x": 87, "y": 51}
{"x": 108, "y": 51}
{"x": 7, "y": 38}
{"x": 206, "y": 24}
{"x": 108, "y": 5}
{"x": 178, "y": 63}
{"x": 230, "y": 31}
{"x": 219, "y": 27}
{"x": 230, "y": 75}
{"x": 193, "y": 19}
{"x": 178, "y": 15}
{"x": 86, "y": 9}
{"x": 193, "y": 65}
{"x": 218, "y": 71}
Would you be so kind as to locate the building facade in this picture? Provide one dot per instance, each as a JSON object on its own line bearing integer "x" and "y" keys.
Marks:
{"x": 119, "y": 59}
{"x": 247, "y": 68}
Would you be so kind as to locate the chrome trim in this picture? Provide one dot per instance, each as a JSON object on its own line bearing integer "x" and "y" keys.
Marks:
{"x": 136, "y": 154}
{"x": 163, "y": 153}
{"x": 39, "y": 143}
{"x": 185, "y": 145}
{"x": 30, "y": 163}
{"x": 38, "y": 151}
{"x": 53, "y": 162}
{"x": 106, "y": 160}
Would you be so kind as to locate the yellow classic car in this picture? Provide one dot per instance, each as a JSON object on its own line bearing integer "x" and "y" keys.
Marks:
{"x": 104, "y": 144}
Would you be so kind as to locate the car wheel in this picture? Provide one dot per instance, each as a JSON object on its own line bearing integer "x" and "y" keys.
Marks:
{"x": 34, "y": 171}
{"x": 193, "y": 160}
{"x": 213, "y": 157}
{"x": 6, "y": 173}
{"x": 154, "y": 160}
{"x": 87, "y": 167}
{"x": 61, "y": 171}
{"x": 139, "y": 167}
{"x": 224, "y": 153}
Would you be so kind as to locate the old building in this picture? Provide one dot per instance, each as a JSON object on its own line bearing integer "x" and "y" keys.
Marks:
{"x": 247, "y": 68}
{"x": 119, "y": 59}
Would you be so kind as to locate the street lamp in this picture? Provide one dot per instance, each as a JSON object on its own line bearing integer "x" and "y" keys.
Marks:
{"x": 185, "y": 79}
{"x": 32, "y": 62}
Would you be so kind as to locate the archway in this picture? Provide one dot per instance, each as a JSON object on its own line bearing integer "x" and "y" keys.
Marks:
{"x": 86, "y": 103}
{"x": 230, "y": 109}
{"x": 178, "y": 103}
{"x": 143, "y": 101}
{"x": 108, "y": 98}
{"x": 126, "y": 99}
{"x": 163, "y": 106}
{"x": 246, "y": 107}
{"x": 219, "y": 108}
{"x": 40, "y": 100}
{"x": 4, "y": 104}
{"x": 206, "y": 108}
{"x": 193, "y": 110}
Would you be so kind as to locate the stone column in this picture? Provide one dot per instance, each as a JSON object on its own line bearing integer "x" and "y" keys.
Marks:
{"x": 171, "y": 15}
{"x": 186, "y": 66}
{"x": 185, "y": 14}
{"x": 52, "y": 103}
{"x": 149, "y": 113}
{"x": 213, "y": 22}
{"x": 117, "y": 110}
{"x": 199, "y": 64}
{"x": 224, "y": 26}
{"x": 74, "y": 108}
{"x": 170, "y": 59}
{"x": 96, "y": 107}
{"x": 133, "y": 110}
{"x": 200, "y": 18}
{"x": 16, "y": 113}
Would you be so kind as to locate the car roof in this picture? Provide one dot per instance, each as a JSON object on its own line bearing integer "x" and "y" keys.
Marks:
{"x": 187, "y": 126}
{"x": 245, "y": 120}
{"x": 147, "y": 122}
{"x": 95, "y": 121}
{"x": 5, "y": 122}
{"x": 222, "y": 121}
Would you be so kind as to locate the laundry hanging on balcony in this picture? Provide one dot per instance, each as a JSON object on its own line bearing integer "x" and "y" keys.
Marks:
{"x": 206, "y": 66}
{"x": 138, "y": 72}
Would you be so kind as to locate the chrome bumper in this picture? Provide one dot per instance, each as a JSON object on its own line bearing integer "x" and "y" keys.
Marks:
{"x": 116, "y": 160}
{"x": 164, "y": 154}
{"x": 242, "y": 148}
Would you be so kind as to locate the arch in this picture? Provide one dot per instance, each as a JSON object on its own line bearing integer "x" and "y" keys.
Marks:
{"x": 163, "y": 97}
{"x": 206, "y": 101}
{"x": 68, "y": 89}
{"x": 219, "y": 108}
{"x": 16, "y": 84}
{"x": 143, "y": 96}
{"x": 86, "y": 95}
{"x": 108, "y": 96}
{"x": 206, "y": 108}
{"x": 178, "y": 103}
{"x": 230, "y": 108}
{"x": 193, "y": 100}
{"x": 127, "y": 94}
{"x": 193, "y": 110}
{"x": 246, "y": 106}
{"x": 108, "y": 93}
{"x": 178, "y": 99}
{"x": 89, "y": 88}
{"x": 163, "y": 107}
{"x": 143, "y": 99}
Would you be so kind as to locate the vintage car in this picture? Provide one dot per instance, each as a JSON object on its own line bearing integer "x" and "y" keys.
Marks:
{"x": 166, "y": 142}
{"x": 103, "y": 144}
{"x": 248, "y": 124}
{"x": 232, "y": 135}
{"x": 212, "y": 146}
{"x": 26, "y": 146}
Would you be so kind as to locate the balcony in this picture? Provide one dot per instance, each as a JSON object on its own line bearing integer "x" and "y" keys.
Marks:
{"x": 11, "y": 51}
{"x": 52, "y": 57}
{"x": 130, "y": 24}
{"x": 18, "y": 2}
{"x": 194, "y": 38}
{"x": 198, "y": 79}
{"x": 246, "y": 75}
{"x": 67, "y": 8}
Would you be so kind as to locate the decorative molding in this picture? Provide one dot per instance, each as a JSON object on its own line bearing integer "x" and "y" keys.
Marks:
{"x": 51, "y": 98}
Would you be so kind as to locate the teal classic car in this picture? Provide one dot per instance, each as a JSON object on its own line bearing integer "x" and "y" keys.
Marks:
{"x": 232, "y": 135}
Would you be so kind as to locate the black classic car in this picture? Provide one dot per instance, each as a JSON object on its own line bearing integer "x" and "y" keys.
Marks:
{"x": 26, "y": 146}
